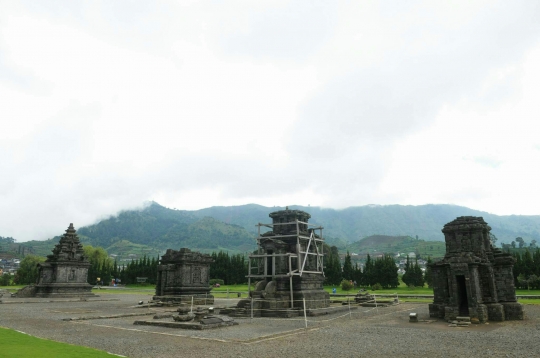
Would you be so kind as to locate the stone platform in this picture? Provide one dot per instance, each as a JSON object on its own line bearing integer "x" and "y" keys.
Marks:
{"x": 198, "y": 299}
{"x": 211, "y": 322}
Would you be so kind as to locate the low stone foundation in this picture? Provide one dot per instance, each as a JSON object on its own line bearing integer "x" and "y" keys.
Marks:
{"x": 25, "y": 292}
{"x": 198, "y": 299}
{"x": 495, "y": 312}
{"x": 207, "y": 323}
{"x": 63, "y": 290}
{"x": 513, "y": 310}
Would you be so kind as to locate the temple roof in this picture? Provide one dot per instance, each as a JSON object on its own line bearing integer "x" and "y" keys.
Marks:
{"x": 68, "y": 248}
{"x": 290, "y": 214}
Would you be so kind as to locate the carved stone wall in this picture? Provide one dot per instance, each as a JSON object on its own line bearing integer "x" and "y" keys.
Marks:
{"x": 184, "y": 274}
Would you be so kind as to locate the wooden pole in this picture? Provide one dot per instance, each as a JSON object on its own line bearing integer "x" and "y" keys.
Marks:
{"x": 305, "y": 315}
{"x": 290, "y": 281}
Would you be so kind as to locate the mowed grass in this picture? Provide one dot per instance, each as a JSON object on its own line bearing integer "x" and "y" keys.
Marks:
{"x": 12, "y": 289}
{"x": 221, "y": 292}
{"x": 126, "y": 290}
{"x": 14, "y": 344}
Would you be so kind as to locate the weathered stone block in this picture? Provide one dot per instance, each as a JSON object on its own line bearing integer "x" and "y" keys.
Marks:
{"x": 513, "y": 310}
{"x": 436, "y": 310}
{"x": 495, "y": 312}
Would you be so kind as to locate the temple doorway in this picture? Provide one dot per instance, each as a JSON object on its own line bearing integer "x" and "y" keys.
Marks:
{"x": 269, "y": 263}
{"x": 463, "y": 301}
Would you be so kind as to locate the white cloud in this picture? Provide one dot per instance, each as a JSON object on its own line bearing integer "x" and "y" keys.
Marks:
{"x": 192, "y": 104}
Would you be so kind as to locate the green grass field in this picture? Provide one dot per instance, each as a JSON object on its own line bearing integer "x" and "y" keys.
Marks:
{"x": 221, "y": 292}
{"x": 15, "y": 344}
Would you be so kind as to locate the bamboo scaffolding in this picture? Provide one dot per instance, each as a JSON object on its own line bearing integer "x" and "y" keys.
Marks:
{"x": 300, "y": 255}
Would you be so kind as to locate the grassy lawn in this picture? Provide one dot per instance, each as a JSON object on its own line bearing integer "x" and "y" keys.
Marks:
{"x": 15, "y": 344}
{"x": 221, "y": 292}
{"x": 12, "y": 289}
{"x": 136, "y": 289}
{"x": 528, "y": 292}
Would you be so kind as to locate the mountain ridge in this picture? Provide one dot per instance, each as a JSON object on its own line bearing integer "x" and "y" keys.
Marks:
{"x": 155, "y": 228}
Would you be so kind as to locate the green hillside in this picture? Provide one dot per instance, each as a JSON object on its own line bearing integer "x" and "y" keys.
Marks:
{"x": 159, "y": 228}
{"x": 155, "y": 228}
{"x": 354, "y": 223}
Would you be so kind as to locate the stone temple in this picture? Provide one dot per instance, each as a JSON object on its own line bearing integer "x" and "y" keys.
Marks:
{"x": 474, "y": 279}
{"x": 288, "y": 265}
{"x": 65, "y": 272}
{"x": 183, "y": 275}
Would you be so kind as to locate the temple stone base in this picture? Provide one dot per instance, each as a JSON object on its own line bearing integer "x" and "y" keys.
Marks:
{"x": 513, "y": 310}
{"x": 314, "y": 299}
{"x": 495, "y": 312}
{"x": 436, "y": 310}
{"x": 451, "y": 313}
{"x": 480, "y": 312}
{"x": 26, "y": 291}
{"x": 198, "y": 299}
{"x": 64, "y": 290}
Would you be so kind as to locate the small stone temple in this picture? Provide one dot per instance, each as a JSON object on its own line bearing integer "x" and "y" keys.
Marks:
{"x": 288, "y": 265}
{"x": 65, "y": 272}
{"x": 184, "y": 274}
{"x": 474, "y": 279}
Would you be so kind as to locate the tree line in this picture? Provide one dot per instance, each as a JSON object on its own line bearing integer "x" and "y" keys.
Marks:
{"x": 382, "y": 271}
{"x": 413, "y": 275}
{"x": 527, "y": 268}
{"x": 231, "y": 269}
{"x": 519, "y": 243}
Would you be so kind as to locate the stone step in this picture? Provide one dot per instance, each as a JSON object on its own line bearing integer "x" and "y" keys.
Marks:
{"x": 463, "y": 319}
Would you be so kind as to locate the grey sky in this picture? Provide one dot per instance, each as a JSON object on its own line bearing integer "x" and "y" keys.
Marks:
{"x": 105, "y": 105}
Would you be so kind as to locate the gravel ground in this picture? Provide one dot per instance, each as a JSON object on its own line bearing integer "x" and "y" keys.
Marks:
{"x": 377, "y": 333}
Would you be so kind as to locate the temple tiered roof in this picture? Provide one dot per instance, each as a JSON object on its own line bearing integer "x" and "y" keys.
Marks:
{"x": 69, "y": 248}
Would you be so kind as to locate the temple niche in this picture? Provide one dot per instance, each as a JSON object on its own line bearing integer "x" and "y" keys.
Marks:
{"x": 474, "y": 279}
{"x": 65, "y": 272}
{"x": 183, "y": 275}
{"x": 289, "y": 265}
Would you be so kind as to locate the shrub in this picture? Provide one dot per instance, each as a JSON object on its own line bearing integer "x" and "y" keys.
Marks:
{"x": 213, "y": 281}
{"x": 5, "y": 279}
{"x": 376, "y": 287}
{"x": 346, "y": 285}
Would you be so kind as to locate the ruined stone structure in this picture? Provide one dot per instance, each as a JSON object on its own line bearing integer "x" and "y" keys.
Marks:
{"x": 182, "y": 275}
{"x": 65, "y": 272}
{"x": 474, "y": 279}
{"x": 290, "y": 264}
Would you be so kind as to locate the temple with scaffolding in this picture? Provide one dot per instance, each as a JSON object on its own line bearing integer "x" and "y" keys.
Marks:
{"x": 288, "y": 266}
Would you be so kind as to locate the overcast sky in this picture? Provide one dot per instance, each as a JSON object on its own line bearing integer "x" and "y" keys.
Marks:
{"x": 106, "y": 105}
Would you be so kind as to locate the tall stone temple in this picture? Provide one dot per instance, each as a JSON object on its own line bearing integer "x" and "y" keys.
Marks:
{"x": 288, "y": 265}
{"x": 474, "y": 279}
{"x": 65, "y": 272}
